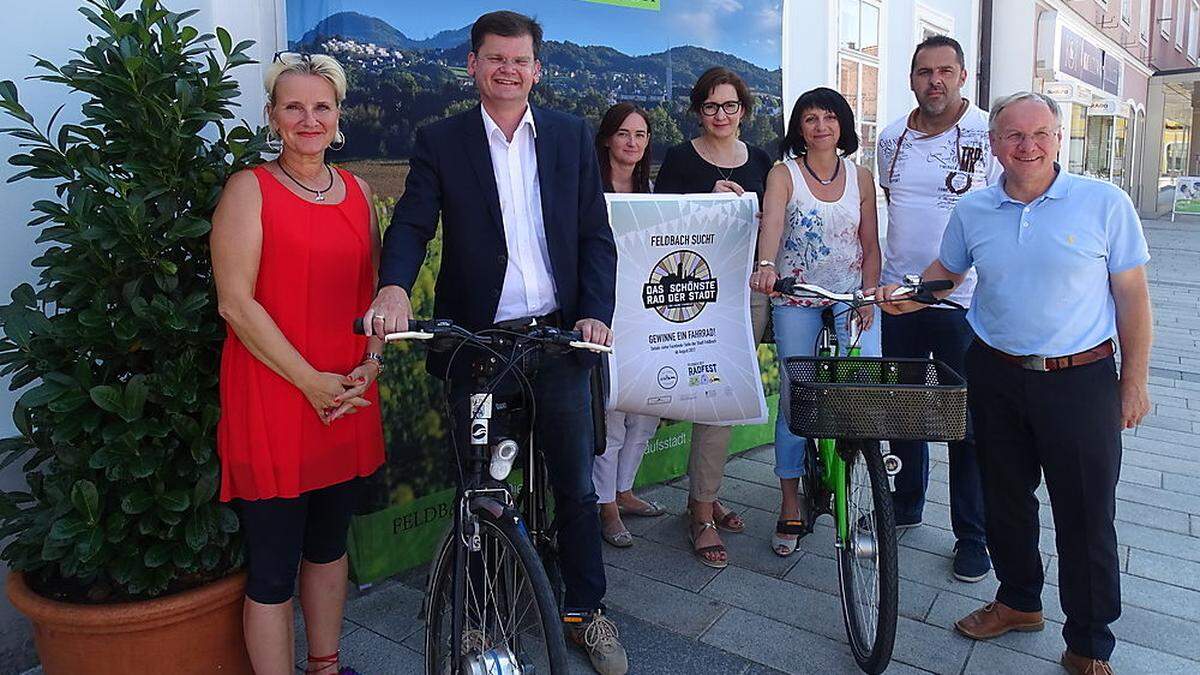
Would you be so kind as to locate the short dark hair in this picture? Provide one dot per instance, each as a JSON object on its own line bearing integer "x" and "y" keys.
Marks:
{"x": 939, "y": 41}
{"x": 506, "y": 24}
{"x": 714, "y": 77}
{"x": 609, "y": 126}
{"x": 821, "y": 98}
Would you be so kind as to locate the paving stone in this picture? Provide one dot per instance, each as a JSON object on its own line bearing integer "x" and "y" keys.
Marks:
{"x": 1194, "y": 521}
{"x": 1157, "y": 541}
{"x": 1178, "y": 483}
{"x": 935, "y": 571}
{"x": 1165, "y": 568}
{"x": 778, "y": 645}
{"x": 1152, "y": 516}
{"x": 746, "y": 493}
{"x": 795, "y": 605}
{"x": 1138, "y": 660}
{"x": 370, "y": 652}
{"x": 747, "y": 550}
{"x": 663, "y": 563}
{"x": 939, "y": 471}
{"x": 988, "y": 659}
{"x": 1157, "y": 631}
{"x": 1172, "y": 423}
{"x": 1180, "y": 413}
{"x": 1169, "y": 437}
{"x": 1140, "y": 476}
{"x": 754, "y": 472}
{"x": 764, "y": 454}
{"x": 929, "y": 647}
{"x": 1160, "y": 597}
{"x": 391, "y": 610}
{"x": 1166, "y": 499}
{"x": 654, "y": 650}
{"x": 1134, "y": 457}
{"x": 659, "y": 603}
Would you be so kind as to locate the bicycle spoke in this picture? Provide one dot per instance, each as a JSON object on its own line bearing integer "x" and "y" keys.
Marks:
{"x": 865, "y": 569}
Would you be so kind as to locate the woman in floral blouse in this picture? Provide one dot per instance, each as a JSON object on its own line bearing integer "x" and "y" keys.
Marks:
{"x": 820, "y": 226}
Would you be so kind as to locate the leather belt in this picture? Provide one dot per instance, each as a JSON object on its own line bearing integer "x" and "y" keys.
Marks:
{"x": 1047, "y": 364}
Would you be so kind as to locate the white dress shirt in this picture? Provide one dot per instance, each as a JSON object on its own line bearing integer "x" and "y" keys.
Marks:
{"x": 528, "y": 288}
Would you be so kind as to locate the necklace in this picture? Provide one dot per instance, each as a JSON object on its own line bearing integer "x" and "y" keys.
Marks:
{"x": 836, "y": 169}
{"x": 320, "y": 194}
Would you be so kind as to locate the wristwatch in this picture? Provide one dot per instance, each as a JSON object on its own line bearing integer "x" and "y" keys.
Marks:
{"x": 766, "y": 263}
{"x": 377, "y": 358}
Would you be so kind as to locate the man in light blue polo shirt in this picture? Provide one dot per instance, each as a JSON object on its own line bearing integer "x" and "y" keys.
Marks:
{"x": 1061, "y": 273}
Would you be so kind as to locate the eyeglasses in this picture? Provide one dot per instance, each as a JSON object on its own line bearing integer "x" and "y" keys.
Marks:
{"x": 496, "y": 61}
{"x": 730, "y": 108}
{"x": 286, "y": 56}
{"x": 1017, "y": 138}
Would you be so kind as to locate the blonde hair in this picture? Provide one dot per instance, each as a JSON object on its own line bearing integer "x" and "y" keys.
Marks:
{"x": 321, "y": 65}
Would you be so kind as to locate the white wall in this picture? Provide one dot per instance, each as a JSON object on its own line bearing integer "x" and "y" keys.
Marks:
{"x": 51, "y": 29}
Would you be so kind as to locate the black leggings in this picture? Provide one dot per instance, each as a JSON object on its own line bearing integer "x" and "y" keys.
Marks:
{"x": 278, "y": 530}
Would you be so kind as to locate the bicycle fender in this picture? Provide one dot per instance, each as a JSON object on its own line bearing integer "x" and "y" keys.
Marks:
{"x": 498, "y": 511}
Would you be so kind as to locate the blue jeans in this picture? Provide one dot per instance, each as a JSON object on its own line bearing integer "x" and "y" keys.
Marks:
{"x": 563, "y": 430}
{"x": 945, "y": 334}
{"x": 796, "y": 330}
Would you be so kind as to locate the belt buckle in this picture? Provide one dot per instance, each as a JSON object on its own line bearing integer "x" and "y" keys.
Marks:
{"x": 1037, "y": 363}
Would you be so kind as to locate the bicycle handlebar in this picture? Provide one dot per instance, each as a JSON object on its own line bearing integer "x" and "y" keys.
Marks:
{"x": 914, "y": 288}
{"x": 439, "y": 329}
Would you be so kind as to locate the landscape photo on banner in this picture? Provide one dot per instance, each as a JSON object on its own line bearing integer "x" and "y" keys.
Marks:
{"x": 406, "y": 65}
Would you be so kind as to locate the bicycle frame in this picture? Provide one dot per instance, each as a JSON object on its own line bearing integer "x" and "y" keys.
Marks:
{"x": 834, "y": 475}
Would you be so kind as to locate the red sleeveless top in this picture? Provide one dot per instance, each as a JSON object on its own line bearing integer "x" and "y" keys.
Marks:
{"x": 314, "y": 278}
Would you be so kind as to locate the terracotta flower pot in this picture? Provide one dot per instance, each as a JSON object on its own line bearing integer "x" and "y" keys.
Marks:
{"x": 197, "y": 631}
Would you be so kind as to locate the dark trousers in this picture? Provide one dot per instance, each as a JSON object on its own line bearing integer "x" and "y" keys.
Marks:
{"x": 945, "y": 334}
{"x": 564, "y": 432}
{"x": 1065, "y": 425}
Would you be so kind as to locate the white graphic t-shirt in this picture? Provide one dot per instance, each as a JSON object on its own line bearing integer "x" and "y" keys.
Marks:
{"x": 925, "y": 180}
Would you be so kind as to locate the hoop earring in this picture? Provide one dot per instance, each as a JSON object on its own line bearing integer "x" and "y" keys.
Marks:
{"x": 339, "y": 140}
{"x": 274, "y": 142}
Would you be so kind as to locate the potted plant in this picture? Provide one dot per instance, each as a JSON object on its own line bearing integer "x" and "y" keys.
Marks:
{"x": 123, "y": 558}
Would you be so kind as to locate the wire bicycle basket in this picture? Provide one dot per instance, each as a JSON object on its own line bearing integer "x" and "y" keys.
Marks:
{"x": 873, "y": 398}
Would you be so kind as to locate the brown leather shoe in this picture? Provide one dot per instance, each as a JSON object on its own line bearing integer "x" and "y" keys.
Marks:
{"x": 995, "y": 619}
{"x": 1082, "y": 665}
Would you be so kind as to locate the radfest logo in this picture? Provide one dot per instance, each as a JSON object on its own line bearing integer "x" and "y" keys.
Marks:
{"x": 680, "y": 286}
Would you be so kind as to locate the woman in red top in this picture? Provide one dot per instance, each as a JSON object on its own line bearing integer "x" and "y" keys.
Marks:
{"x": 295, "y": 247}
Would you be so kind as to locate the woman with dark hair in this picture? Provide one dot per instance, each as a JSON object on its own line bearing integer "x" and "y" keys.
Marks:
{"x": 820, "y": 226}
{"x": 623, "y": 148}
{"x": 716, "y": 161}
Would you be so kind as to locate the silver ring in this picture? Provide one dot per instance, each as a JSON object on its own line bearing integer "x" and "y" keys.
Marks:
{"x": 380, "y": 316}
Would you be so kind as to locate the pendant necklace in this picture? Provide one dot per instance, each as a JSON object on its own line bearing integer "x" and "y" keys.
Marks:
{"x": 320, "y": 194}
{"x": 836, "y": 169}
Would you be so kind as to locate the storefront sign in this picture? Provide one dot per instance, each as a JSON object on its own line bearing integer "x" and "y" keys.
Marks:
{"x": 1081, "y": 59}
{"x": 684, "y": 348}
{"x": 1106, "y": 107}
{"x": 1059, "y": 91}
{"x": 1187, "y": 195}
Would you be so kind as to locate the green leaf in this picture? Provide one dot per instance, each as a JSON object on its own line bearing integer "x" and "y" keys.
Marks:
{"x": 157, "y": 555}
{"x": 228, "y": 520}
{"x": 134, "y": 401}
{"x": 86, "y": 500}
{"x": 91, "y": 545}
{"x": 66, "y": 529}
{"x": 225, "y": 40}
{"x": 195, "y": 534}
{"x": 107, "y": 397}
{"x": 41, "y": 395}
{"x": 175, "y": 500}
{"x": 137, "y": 501}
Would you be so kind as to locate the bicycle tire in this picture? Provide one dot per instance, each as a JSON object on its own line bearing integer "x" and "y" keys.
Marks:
{"x": 870, "y": 619}
{"x": 502, "y": 539}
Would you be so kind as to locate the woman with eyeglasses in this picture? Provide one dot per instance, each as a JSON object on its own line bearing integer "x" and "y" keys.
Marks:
{"x": 716, "y": 161}
{"x": 295, "y": 248}
{"x": 820, "y": 226}
{"x": 623, "y": 149}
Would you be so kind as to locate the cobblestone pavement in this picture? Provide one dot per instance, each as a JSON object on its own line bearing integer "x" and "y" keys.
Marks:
{"x": 765, "y": 614}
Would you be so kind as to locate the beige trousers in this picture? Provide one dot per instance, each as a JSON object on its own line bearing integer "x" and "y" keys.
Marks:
{"x": 710, "y": 444}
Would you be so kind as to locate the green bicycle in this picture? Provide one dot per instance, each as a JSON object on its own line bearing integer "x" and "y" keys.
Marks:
{"x": 845, "y": 405}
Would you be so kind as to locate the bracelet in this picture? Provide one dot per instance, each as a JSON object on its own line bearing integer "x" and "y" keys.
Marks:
{"x": 766, "y": 263}
{"x": 377, "y": 359}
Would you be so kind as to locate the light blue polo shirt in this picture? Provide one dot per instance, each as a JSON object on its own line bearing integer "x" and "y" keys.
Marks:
{"x": 1044, "y": 267}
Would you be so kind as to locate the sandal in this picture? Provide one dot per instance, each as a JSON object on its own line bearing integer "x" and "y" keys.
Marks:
{"x": 783, "y": 547}
{"x": 701, "y": 551}
{"x": 620, "y": 539}
{"x": 728, "y": 521}
{"x": 650, "y": 510}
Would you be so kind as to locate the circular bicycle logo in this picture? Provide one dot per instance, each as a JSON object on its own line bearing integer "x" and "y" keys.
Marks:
{"x": 680, "y": 285}
{"x": 667, "y": 377}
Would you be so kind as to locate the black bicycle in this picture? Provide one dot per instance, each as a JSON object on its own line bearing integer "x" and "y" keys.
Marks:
{"x": 490, "y": 605}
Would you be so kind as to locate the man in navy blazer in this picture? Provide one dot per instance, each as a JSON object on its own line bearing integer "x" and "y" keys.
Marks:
{"x": 525, "y": 233}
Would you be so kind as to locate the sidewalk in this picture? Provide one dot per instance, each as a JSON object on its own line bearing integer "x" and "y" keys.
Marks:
{"x": 764, "y": 614}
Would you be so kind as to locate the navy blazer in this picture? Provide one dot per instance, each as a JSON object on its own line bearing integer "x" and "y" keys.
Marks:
{"x": 451, "y": 176}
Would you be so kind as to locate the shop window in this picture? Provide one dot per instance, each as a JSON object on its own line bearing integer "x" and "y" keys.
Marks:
{"x": 1078, "y": 136}
{"x": 860, "y": 26}
{"x": 858, "y": 70}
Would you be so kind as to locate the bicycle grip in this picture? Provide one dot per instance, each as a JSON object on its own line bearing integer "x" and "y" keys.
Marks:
{"x": 936, "y": 285}
{"x": 785, "y": 285}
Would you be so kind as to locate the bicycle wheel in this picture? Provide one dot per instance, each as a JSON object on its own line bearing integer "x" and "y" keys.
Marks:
{"x": 867, "y": 569}
{"x": 510, "y": 622}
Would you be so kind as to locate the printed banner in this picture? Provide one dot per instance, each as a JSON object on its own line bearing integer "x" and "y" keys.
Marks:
{"x": 684, "y": 349}
{"x": 1187, "y": 195}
